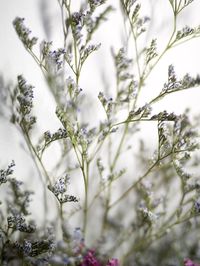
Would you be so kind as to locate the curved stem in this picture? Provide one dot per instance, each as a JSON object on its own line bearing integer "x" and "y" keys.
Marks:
{"x": 167, "y": 47}
{"x": 125, "y": 194}
{"x": 34, "y": 155}
{"x": 85, "y": 171}
{"x": 38, "y": 157}
{"x": 63, "y": 23}
{"x": 145, "y": 243}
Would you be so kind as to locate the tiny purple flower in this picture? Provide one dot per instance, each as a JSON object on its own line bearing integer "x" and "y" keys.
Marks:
{"x": 90, "y": 259}
{"x": 113, "y": 262}
{"x": 189, "y": 262}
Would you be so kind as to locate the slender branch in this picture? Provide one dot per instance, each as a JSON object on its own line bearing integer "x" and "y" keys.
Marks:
{"x": 145, "y": 243}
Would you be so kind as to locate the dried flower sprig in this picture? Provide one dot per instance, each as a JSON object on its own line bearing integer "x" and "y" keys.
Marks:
{"x": 24, "y": 33}
{"x": 4, "y": 174}
{"x": 22, "y": 100}
{"x": 59, "y": 189}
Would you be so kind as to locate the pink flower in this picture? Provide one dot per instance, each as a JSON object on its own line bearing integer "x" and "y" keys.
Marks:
{"x": 90, "y": 260}
{"x": 189, "y": 262}
{"x": 113, "y": 262}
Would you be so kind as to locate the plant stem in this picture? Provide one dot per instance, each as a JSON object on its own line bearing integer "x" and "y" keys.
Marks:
{"x": 133, "y": 186}
{"x": 35, "y": 155}
{"x": 145, "y": 243}
{"x": 125, "y": 194}
{"x": 85, "y": 172}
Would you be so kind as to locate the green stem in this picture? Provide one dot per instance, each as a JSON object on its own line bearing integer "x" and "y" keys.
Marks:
{"x": 108, "y": 194}
{"x": 167, "y": 47}
{"x": 85, "y": 171}
{"x": 63, "y": 23}
{"x": 34, "y": 155}
{"x": 61, "y": 218}
{"x": 119, "y": 147}
{"x": 125, "y": 194}
{"x": 145, "y": 243}
{"x": 84, "y": 165}
{"x": 38, "y": 157}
